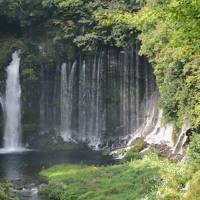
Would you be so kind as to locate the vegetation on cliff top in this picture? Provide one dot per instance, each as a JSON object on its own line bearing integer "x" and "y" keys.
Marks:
{"x": 50, "y": 31}
{"x": 68, "y": 23}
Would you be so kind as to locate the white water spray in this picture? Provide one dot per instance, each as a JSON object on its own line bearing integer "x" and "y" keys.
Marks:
{"x": 152, "y": 129}
{"x": 12, "y": 106}
{"x": 2, "y": 102}
{"x": 67, "y": 82}
{"x": 161, "y": 134}
{"x": 182, "y": 139}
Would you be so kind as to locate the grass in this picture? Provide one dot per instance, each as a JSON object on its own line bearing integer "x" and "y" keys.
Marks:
{"x": 152, "y": 178}
{"x": 90, "y": 182}
{"x": 4, "y": 191}
{"x": 193, "y": 192}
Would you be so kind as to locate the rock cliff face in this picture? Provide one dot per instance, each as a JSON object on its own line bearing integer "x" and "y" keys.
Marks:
{"x": 95, "y": 99}
{"x": 104, "y": 99}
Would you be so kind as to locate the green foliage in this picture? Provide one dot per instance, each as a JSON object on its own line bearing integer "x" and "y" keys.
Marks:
{"x": 87, "y": 42}
{"x": 169, "y": 32}
{"x": 25, "y": 12}
{"x": 193, "y": 191}
{"x": 112, "y": 182}
{"x": 152, "y": 178}
{"x": 54, "y": 30}
{"x": 73, "y": 22}
{"x": 135, "y": 152}
{"x": 8, "y": 44}
{"x": 30, "y": 58}
{"x": 5, "y": 192}
{"x": 194, "y": 149}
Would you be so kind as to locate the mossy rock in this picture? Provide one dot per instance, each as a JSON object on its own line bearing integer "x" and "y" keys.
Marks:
{"x": 135, "y": 152}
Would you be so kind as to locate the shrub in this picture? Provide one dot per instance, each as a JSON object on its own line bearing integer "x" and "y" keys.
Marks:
{"x": 194, "y": 150}
{"x": 135, "y": 152}
{"x": 193, "y": 192}
{"x": 5, "y": 192}
{"x": 55, "y": 190}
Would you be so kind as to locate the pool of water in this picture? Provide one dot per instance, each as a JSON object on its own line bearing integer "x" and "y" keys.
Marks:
{"x": 22, "y": 168}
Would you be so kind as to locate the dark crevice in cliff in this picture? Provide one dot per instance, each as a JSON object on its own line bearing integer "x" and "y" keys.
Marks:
{"x": 10, "y": 27}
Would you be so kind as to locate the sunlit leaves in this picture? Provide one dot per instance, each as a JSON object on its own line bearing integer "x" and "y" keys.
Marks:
{"x": 171, "y": 39}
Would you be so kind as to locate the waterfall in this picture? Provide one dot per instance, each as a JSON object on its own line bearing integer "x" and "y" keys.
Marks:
{"x": 137, "y": 89}
{"x": 56, "y": 99}
{"x": 161, "y": 134}
{"x": 178, "y": 148}
{"x": 42, "y": 100}
{"x": 67, "y": 83}
{"x": 102, "y": 102}
{"x": 12, "y": 132}
{"x": 83, "y": 90}
{"x": 123, "y": 97}
{"x": 2, "y": 102}
{"x": 106, "y": 99}
{"x": 103, "y": 97}
{"x": 94, "y": 95}
{"x": 49, "y": 104}
{"x": 96, "y": 117}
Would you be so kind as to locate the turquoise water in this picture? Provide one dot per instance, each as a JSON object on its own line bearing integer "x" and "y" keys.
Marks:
{"x": 22, "y": 168}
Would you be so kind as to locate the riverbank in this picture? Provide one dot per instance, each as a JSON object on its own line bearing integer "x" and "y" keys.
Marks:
{"x": 148, "y": 176}
{"x": 21, "y": 169}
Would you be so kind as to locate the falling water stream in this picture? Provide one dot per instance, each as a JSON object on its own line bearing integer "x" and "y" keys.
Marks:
{"x": 67, "y": 80}
{"x": 107, "y": 95}
{"x": 12, "y": 107}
